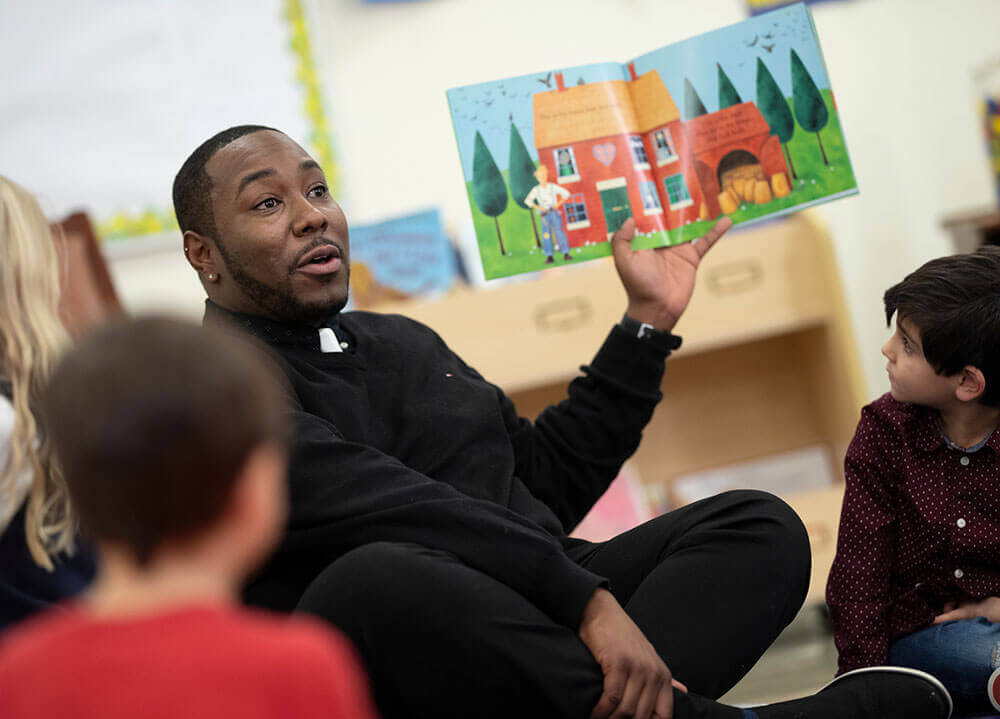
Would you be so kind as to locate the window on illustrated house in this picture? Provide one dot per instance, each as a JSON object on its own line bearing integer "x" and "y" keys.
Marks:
{"x": 650, "y": 200}
{"x": 576, "y": 212}
{"x": 663, "y": 144}
{"x": 639, "y": 157}
{"x": 565, "y": 160}
{"x": 677, "y": 191}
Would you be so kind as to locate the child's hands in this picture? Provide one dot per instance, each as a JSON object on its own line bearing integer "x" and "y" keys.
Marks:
{"x": 988, "y": 608}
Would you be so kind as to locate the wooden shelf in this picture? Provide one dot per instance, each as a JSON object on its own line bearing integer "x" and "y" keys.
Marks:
{"x": 768, "y": 364}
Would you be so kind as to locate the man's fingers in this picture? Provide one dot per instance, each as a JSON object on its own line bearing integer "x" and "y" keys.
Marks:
{"x": 665, "y": 703}
{"x": 628, "y": 706}
{"x": 704, "y": 243}
{"x": 646, "y": 707}
{"x": 677, "y": 685}
{"x": 623, "y": 237}
{"x": 614, "y": 691}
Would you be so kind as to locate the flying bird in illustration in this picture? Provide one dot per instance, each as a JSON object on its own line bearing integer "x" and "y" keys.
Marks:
{"x": 769, "y": 48}
{"x": 754, "y": 42}
{"x": 547, "y": 80}
{"x": 768, "y": 36}
{"x": 489, "y": 103}
{"x": 510, "y": 116}
{"x": 580, "y": 81}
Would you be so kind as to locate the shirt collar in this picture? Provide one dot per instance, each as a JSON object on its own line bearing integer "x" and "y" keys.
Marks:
{"x": 270, "y": 331}
{"x": 927, "y": 435}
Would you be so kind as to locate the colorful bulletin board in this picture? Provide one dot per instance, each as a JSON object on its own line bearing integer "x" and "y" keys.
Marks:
{"x": 110, "y": 97}
{"x": 400, "y": 258}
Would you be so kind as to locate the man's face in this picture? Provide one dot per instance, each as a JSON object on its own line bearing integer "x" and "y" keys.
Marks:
{"x": 911, "y": 377}
{"x": 282, "y": 238}
{"x": 542, "y": 174}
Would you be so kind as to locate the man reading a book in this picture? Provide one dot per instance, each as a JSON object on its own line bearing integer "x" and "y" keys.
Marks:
{"x": 429, "y": 521}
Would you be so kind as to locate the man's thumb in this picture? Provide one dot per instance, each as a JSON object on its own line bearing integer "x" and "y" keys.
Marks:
{"x": 622, "y": 239}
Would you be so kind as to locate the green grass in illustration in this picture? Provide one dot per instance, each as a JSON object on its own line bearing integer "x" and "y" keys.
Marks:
{"x": 816, "y": 181}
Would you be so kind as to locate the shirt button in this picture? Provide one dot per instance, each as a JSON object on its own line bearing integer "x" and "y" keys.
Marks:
{"x": 964, "y": 461}
{"x": 959, "y": 574}
{"x": 960, "y": 522}
{"x": 345, "y": 345}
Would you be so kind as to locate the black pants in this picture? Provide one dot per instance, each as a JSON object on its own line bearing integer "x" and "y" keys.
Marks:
{"x": 711, "y": 585}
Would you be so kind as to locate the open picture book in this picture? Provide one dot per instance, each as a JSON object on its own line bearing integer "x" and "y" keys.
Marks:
{"x": 740, "y": 121}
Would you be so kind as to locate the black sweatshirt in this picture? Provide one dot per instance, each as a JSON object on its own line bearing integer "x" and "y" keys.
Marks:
{"x": 399, "y": 440}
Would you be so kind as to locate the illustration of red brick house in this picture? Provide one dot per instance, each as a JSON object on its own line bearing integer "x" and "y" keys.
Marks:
{"x": 621, "y": 149}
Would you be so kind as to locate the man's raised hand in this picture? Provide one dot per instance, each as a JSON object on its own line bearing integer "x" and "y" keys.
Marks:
{"x": 659, "y": 282}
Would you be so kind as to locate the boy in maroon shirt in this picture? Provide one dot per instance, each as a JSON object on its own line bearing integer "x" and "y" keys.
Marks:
{"x": 173, "y": 444}
{"x": 916, "y": 579}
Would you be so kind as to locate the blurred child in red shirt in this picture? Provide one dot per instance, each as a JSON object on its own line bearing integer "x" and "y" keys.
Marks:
{"x": 172, "y": 441}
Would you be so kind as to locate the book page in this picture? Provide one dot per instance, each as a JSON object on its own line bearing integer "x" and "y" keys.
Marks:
{"x": 759, "y": 134}
{"x": 553, "y": 166}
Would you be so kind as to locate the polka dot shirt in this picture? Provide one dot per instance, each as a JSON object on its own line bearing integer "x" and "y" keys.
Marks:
{"x": 920, "y": 526}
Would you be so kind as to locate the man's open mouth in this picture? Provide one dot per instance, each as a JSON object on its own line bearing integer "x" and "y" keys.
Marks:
{"x": 321, "y": 260}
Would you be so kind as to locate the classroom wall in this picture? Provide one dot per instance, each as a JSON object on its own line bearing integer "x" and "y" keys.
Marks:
{"x": 901, "y": 71}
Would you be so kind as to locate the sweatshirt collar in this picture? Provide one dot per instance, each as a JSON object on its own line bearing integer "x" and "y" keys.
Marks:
{"x": 271, "y": 331}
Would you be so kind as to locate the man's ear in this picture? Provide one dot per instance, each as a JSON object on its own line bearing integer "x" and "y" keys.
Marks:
{"x": 971, "y": 384}
{"x": 202, "y": 254}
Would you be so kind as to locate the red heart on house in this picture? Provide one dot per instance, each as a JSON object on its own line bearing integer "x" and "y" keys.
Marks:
{"x": 605, "y": 153}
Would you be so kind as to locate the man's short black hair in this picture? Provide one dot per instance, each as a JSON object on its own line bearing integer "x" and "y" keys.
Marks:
{"x": 954, "y": 302}
{"x": 192, "y": 186}
{"x": 153, "y": 420}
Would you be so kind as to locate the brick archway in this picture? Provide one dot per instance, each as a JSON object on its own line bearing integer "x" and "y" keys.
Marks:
{"x": 732, "y": 160}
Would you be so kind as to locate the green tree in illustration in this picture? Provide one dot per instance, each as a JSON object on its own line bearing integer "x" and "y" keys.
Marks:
{"x": 693, "y": 106}
{"x": 810, "y": 109}
{"x": 727, "y": 93}
{"x": 488, "y": 188}
{"x": 522, "y": 175}
{"x": 774, "y": 107}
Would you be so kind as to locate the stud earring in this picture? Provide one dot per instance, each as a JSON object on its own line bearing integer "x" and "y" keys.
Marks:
{"x": 211, "y": 276}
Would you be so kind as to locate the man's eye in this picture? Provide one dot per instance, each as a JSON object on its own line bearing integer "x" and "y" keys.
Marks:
{"x": 269, "y": 204}
{"x": 318, "y": 191}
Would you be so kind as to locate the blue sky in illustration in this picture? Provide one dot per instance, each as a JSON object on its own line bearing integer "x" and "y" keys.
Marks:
{"x": 491, "y": 106}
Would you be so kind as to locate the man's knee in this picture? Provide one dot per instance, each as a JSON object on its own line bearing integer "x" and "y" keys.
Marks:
{"x": 776, "y": 524}
{"x": 392, "y": 587}
{"x": 361, "y": 583}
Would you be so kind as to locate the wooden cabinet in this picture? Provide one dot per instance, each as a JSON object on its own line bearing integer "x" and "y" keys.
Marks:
{"x": 768, "y": 363}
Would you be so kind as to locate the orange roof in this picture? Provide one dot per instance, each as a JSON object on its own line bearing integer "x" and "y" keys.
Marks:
{"x": 654, "y": 107}
{"x": 583, "y": 112}
{"x": 600, "y": 109}
{"x": 723, "y": 127}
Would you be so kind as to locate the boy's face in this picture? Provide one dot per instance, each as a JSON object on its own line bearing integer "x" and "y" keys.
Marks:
{"x": 911, "y": 377}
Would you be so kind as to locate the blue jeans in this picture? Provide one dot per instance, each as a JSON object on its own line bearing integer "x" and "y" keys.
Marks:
{"x": 962, "y": 654}
{"x": 552, "y": 225}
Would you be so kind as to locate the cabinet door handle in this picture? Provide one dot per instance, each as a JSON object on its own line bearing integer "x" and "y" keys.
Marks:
{"x": 734, "y": 277}
{"x": 563, "y": 314}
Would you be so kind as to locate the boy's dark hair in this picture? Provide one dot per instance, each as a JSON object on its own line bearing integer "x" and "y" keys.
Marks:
{"x": 152, "y": 420}
{"x": 192, "y": 185}
{"x": 954, "y": 302}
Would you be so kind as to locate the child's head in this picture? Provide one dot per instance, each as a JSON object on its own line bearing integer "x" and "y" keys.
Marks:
{"x": 947, "y": 340}
{"x": 31, "y": 339}
{"x": 170, "y": 435}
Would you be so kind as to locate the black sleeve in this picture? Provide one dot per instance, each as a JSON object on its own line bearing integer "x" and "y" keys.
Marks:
{"x": 346, "y": 494}
{"x": 573, "y": 451}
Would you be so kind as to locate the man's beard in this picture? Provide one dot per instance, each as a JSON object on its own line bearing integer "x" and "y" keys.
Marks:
{"x": 280, "y": 301}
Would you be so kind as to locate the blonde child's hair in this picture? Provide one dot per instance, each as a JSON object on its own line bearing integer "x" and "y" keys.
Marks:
{"x": 31, "y": 340}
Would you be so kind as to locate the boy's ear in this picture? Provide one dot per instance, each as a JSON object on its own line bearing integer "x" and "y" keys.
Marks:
{"x": 971, "y": 384}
